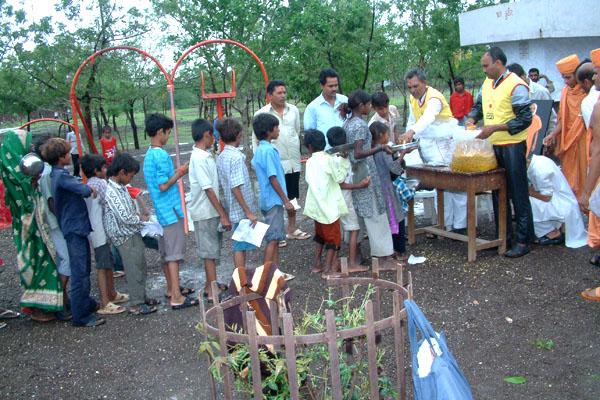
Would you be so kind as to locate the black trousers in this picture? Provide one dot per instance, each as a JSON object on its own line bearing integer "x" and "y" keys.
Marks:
{"x": 513, "y": 159}
{"x": 75, "y": 161}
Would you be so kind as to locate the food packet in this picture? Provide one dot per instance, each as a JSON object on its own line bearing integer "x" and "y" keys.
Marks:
{"x": 473, "y": 156}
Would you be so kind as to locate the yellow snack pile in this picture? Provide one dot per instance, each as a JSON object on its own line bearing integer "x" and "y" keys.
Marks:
{"x": 473, "y": 156}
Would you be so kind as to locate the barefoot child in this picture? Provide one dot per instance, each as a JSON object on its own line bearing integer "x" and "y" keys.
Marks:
{"x": 123, "y": 225}
{"x": 271, "y": 180}
{"x": 336, "y": 136}
{"x": 324, "y": 200}
{"x": 238, "y": 197}
{"x": 94, "y": 168}
{"x": 205, "y": 209}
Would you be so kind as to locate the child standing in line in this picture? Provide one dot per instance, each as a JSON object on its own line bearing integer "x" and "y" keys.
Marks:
{"x": 161, "y": 179}
{"x": 123, "y": 225}
{"x": 238, "y": 197}
{"x": 109, "y": 144}
{"x": 336, "y": 136}
{"x": 205, "y": 208}
{"x": 386, "y": 164}
{"x": 384, "y": 112}
{"x": 74, "y": 221}
{"x": 62, "y": 252}
{"x": 271, "y": 180}
{"x": 94, "y": 168}
{"x": 325, "y": 203}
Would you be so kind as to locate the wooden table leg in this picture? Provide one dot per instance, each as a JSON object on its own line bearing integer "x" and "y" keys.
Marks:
{"x": 471, "y": 225}
{"x": 502, "y": 218}
{"x": 440, "y": 208}
{"x": 411, "y": 222}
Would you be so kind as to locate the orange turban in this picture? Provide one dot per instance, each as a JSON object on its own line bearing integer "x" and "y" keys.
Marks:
{"x": 595, "y": 56}
{"x": 568, "y": 65}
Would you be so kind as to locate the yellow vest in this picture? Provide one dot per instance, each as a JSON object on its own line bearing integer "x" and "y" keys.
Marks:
{"x": 431, "y": 93}
{"x": 497, "y": 108}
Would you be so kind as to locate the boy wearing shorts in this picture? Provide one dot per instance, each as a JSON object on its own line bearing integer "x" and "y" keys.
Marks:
{"x": 205, "y": 209}
{"x": 271, "y": 181}
{"x": 238, "y": 197}
{"x": 161, "y": 179}
{"x": 94, "y": 168}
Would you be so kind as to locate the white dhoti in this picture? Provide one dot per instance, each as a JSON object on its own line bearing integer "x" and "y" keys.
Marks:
{"x": 547, "y": 178}
{"x": 436, "y": 148}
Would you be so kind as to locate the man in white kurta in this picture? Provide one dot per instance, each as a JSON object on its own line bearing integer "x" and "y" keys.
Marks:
{"x": 430, "y": 120}
{"x": 554, "y": 204}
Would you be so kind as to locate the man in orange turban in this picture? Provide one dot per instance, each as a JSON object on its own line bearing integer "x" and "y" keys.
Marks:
{"x": 591, "y": 182}
{"x": 569, "y": 138}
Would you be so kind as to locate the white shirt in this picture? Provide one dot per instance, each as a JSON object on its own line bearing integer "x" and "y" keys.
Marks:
{"x": 288, "y": 142}
{"x": 71, "y": 138}
{"x": 432, "y": 109}
{"x": 587, "y": 105}
{"x": 547, "y": 178}
{"x": 202, "y": 175}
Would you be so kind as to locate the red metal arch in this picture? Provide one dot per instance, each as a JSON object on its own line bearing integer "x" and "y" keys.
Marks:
{"x": 73, "y": 95}
{"x": 60, "y": 121}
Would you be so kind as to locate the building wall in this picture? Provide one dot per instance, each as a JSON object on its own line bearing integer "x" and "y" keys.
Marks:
{"x": 543, "y": 54}
{"x": 530, "y": 19}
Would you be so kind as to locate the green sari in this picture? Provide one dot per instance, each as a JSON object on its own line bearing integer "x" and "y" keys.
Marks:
{"x": 35, "y": 255}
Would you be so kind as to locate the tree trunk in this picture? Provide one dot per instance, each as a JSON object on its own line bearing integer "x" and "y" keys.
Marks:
{"x": 116, "y": 130}
{"x": 28, "y": 120}
{"x": 104, "y": 116}
{"x": 98, "y": 123}
{"x": 451, "y": 79}
{"x": 368, "y": 61}
{"x": 131, "y": 117}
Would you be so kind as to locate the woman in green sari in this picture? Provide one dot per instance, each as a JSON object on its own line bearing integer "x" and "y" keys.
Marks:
{"x": 43, "y": 293}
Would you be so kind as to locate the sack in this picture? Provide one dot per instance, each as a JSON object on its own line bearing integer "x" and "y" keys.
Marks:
{"x": 444, "y": 380}
{"x": 594, "y": 204}
{"x": 473, "y": 156}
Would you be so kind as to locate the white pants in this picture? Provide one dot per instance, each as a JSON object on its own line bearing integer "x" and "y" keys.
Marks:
{"x": 455, "y": 210}
{"x": 380, "y": 235}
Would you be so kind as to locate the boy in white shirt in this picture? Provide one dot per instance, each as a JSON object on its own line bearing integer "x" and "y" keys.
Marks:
{"x": 205, "y": 208}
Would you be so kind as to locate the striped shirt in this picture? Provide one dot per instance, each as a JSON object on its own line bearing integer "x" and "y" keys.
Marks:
{"x": 121, "y": 220}
{"x": 233, "y": 172}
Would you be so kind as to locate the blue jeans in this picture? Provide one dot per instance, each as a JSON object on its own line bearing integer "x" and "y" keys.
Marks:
{"x": 82, "y": 304}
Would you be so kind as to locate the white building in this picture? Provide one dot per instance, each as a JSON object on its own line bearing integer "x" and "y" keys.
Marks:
{"x": 536, "y": 33}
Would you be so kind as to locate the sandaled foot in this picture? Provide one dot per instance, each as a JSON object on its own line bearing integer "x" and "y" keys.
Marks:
{"x": 188, "y": 302}
{"x": 591, "y": 294}
{"x": 142, "y": 309}
{"x": 120, "y": 298}
{"x": 185, "y": 291}
{"x": 357, "y": 268}
{"x": 111, "y": 309}
{"x": 595, "y": 261}
{"x": 298, "y": 235}
{"x": 8, "y": 314}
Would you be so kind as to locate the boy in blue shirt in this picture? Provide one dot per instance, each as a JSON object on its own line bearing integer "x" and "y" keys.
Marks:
{"x": 71, "y": 211}
{"x": 161, "y": 179}
{"x": 271, "y": 181}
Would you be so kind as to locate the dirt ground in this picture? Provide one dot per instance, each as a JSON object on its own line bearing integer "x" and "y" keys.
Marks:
{"x": 492, "y": 311}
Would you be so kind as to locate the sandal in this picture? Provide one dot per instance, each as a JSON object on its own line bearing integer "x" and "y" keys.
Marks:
{"x": 591, "y": 294}
{"x": 118, "y": 274}
{"x": 142, "y": 309}
{"x": 298, "y": 235}
{"x": 185, "y": 291}
{"x": 595, "y": 261}
{"x": 8, "y": 314}
{"x": 188, "y": 302}
{"x": 282, "y": 243}
{"x": 152, "y": 302}
{"x": 288, "y": 277}
{"x": 120, "y": 298}
{"x": 221, "y": 286}
{"x": 111, "y": 309}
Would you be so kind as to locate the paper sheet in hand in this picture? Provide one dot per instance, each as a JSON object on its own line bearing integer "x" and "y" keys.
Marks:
{"x": 152, "y": 227}
{"x": 295, "y": 204}
{"x": 246, "y": 233}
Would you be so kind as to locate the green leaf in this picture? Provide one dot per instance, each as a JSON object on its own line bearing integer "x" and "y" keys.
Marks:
{"x": 544, "y": 344}
{"x": 515, "y": 380}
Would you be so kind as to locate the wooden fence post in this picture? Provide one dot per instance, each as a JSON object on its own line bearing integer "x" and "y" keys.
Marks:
{"x": 334, "y": 361}
{"x": 254, "y": 359}
{"x": 290, "y": 355}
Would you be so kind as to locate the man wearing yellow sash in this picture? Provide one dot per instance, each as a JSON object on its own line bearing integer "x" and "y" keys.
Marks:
{"x": 503, "y": 104}
{"x": 430, "y": 120}
{"x": 591, "y": 181}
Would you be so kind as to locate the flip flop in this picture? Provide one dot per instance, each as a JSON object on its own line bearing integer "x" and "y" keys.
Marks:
{"x": 221, "y": 286}
{"x": 142, "y": 309}
{"x": 111, "y": 309}
{"x": 120, "y": 298}
{"x": 9, "y": 314}
{"x": 118, "y": 274}
{"x": 298, "y": 235}
{"x": 185, "y": 291}
{"x": 288, "y": 277}
{"x": 152, "y": 302}
{"x": 591, "y": 294}
{"x": 188, "y": 302}
{"x": 282, "y": 243}
{"x": 595, "y": 260}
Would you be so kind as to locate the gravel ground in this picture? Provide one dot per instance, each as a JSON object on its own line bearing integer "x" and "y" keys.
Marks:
{"x": 156, "y": 357}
